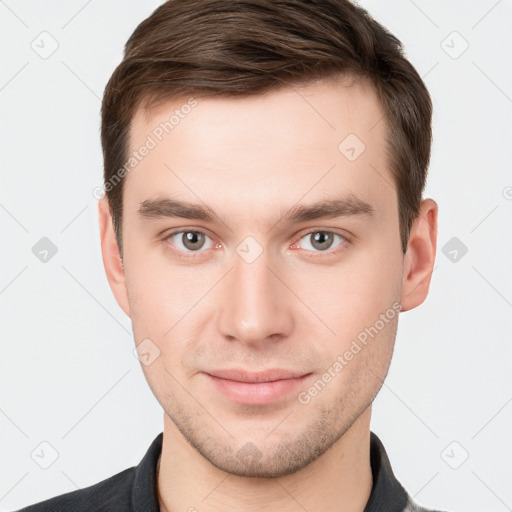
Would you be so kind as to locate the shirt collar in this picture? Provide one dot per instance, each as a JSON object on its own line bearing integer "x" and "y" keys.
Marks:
{"x": 387, "y": 494}
{"x": 144, "y": 491}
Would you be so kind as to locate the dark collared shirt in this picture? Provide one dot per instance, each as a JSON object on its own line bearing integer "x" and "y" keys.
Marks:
{"x": 134, "y": 489}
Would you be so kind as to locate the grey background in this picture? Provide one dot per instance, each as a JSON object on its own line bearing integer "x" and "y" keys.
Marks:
{"x": 68, "y": 376}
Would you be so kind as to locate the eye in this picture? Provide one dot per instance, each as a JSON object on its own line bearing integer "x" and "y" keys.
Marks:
{"x": 322, "y": 241}
{"x": 189, "y": 241}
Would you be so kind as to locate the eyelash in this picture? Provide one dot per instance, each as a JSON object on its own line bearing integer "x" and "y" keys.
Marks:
{"x": 196, "y": 254}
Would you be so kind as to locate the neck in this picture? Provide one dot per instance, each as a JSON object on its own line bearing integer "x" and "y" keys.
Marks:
{"x": 340, "y": 479}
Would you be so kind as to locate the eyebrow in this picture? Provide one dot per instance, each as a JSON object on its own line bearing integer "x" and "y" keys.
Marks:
{"x": 349, "y": 205}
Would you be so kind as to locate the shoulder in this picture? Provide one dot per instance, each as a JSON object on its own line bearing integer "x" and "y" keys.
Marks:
{"x": 110, "y": 495}
{"x": 131, "y": 489}
{"x": 388, "y": 494}
{"x": 411, "y": 506}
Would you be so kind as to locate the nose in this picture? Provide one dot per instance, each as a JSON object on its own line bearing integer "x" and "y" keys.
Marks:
{"x": 255, "y": 303}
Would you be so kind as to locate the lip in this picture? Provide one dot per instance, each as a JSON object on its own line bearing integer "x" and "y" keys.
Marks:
{"x": 257, "y": 388}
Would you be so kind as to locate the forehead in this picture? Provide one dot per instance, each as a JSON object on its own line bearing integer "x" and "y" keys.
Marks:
{"x": 311, "y": 141}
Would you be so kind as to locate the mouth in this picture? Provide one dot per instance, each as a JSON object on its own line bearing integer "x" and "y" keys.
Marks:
{"x": 256, "y": 388}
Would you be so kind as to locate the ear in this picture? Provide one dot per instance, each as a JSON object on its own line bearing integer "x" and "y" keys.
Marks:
{"x": 420, "y": 256}
{"x": 111, "y": 257}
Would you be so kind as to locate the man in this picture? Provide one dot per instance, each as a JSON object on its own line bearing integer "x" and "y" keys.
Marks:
{"x": 263, "y": 226}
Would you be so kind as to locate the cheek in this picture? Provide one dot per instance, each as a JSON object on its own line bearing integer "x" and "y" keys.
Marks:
{"x": 169, "y": 306}
{"x": 351, "y": 295}
{"x": 160, "y": 291}
{"x": 364, "y": 358}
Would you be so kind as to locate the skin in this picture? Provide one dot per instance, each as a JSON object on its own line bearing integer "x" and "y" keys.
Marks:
{"x": 296, "y": 306}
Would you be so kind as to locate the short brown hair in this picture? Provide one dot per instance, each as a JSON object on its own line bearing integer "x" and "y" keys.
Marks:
{"x": 247, "y": 47}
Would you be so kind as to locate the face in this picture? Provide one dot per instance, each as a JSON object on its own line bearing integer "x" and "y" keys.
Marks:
{"x": 267, "y": 332}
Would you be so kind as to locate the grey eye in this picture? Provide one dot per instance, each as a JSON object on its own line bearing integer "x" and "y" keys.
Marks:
{"x": 188, "y": 241}
{"x": 321, "y": 240}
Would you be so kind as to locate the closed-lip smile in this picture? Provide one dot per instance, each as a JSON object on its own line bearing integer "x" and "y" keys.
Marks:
{"x": 258, "y": 388}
